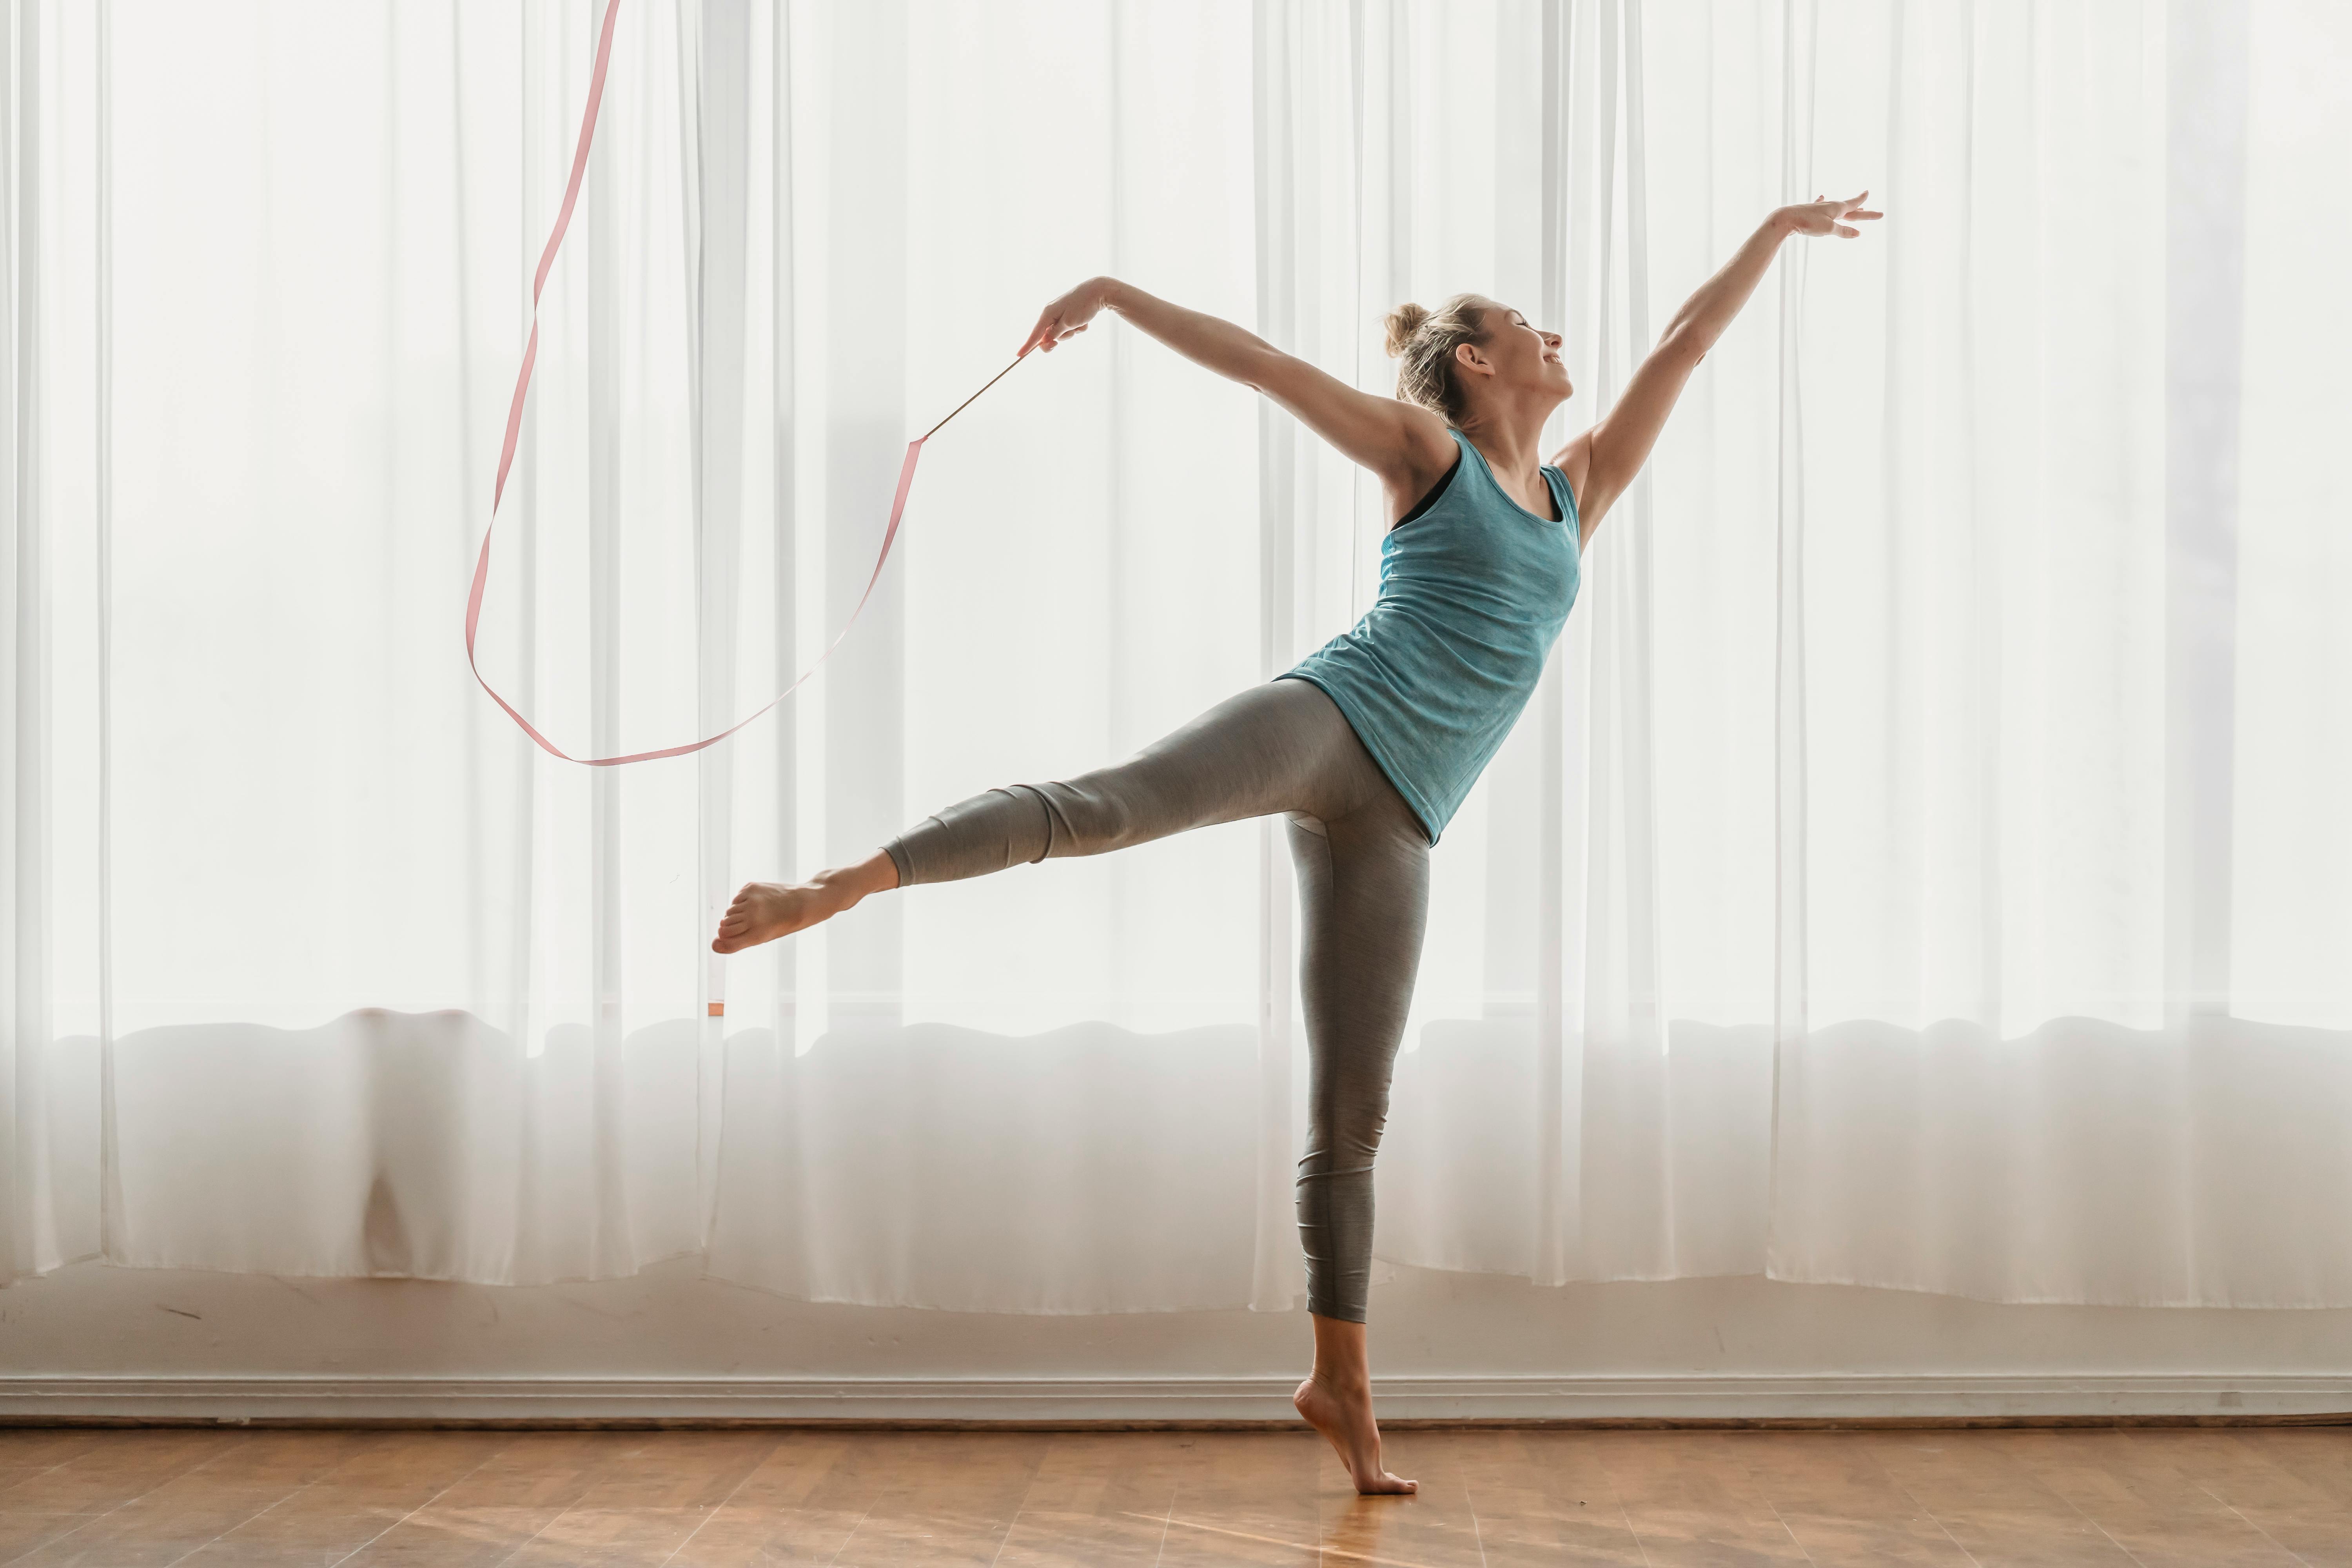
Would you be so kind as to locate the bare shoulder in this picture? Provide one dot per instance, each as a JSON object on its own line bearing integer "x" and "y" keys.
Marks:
{"x": 1425, "y": 454}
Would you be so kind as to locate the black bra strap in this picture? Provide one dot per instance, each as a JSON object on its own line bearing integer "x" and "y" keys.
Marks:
{"x": 1435, "y": 490}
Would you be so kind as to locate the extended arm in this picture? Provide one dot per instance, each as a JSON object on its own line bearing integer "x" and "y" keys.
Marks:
{"x": 1601, "y": 464}
{"x": 1392, "y": 438}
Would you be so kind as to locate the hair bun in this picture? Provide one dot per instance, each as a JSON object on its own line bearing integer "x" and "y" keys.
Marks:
{"x": 1403, "y": 323}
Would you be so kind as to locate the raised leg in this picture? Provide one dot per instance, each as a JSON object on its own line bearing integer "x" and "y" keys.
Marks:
{"x": 763, "y": 911}
{"x": 1276, "y": 746}
{"x": 1270, "y": 748}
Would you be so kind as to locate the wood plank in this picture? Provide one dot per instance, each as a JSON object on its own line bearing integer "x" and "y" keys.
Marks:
{"x": 1253, "y": 1500}
{"x": 28, "y": 1452}
{"x": 2277, "y": 1483}
{"x": 1994, "y": 1507}
{"x": 1689, "y": 1498}
{"x": 242, "y": 1479}
{"x": 487, "y": 1515}
{"x": 1100, "y": 1499}
{"x": 1545, "y": 1497}
{"x": 387, "y": 1478}
{"x": 1497, "y": 1498}
{"x": 2141, "y": 1497}
{"x": 947, "y": 1499}
{"x": 656, "y": 1493}
{"x": 112, "y": 1471}
{"x": 1839, "y": 1504}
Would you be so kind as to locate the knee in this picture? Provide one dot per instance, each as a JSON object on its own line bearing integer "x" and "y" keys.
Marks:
{"x": 1033, "y": 840}
{"x": 1085, "y": 819}
{"x": 1342, "y": 1145}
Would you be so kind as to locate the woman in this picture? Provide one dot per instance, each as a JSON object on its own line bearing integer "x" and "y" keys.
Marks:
{"x": 1369, "y": 745}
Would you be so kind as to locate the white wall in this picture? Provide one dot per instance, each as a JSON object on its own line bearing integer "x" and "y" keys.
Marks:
{"x": 92, "y": 1339}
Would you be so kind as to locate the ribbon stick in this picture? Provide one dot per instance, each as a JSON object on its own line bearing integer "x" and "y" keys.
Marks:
{"x": 514, "y": 433}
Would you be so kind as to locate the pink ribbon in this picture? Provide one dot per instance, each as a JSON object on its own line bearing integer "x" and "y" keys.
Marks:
{"x": 514, "y": 433}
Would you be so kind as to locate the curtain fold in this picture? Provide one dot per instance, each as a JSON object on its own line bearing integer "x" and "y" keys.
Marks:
{"x": 30, "y": 1207}
{"x": 1919, "y": 866}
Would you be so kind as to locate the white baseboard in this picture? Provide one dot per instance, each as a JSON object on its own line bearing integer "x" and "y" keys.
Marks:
{"x": 238, "y": 1399}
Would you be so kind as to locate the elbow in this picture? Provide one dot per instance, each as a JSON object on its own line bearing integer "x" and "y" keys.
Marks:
{"x": 1686, "y": 342}
{"x": 1259, "y": 366}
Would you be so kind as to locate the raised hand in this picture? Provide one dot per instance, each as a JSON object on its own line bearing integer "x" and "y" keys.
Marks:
{"x": 1821, "y": 216}
{"x": 1066, "y": 317}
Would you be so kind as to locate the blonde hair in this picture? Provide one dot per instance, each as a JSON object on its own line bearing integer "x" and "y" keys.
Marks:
{"x": 1425, "y": 340}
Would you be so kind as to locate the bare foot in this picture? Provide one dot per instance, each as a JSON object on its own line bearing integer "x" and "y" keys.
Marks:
{"x": 763, "y": 911}
{"x": 1344, "y": 1416}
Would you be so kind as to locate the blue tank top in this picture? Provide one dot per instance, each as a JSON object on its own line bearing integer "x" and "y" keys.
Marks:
{"x": 1474, "y": 590}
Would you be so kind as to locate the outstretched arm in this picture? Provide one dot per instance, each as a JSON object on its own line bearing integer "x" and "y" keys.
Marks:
{"x": 1601, "y": 464}
{"x": 1394, "y": 439}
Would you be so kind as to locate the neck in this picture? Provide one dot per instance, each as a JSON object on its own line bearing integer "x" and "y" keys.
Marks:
{"x": 1512, "y": 440}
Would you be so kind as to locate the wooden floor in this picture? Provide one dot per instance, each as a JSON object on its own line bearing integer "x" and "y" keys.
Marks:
{"x": 1007, "y": 1499}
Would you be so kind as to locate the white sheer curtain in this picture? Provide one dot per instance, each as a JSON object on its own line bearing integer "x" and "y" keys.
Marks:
{"x": 1922, "y": 865}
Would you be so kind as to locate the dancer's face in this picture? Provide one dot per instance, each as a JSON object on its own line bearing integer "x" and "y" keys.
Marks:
{"x": 1519, "y": 356}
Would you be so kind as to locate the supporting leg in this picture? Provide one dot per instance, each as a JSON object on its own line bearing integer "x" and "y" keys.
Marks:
{"x": 1337, "y": 1401}
{"x": 1364, "y": 892}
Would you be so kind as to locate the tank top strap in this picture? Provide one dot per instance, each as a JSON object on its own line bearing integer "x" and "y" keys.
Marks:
{"x": 1564, "y": 496}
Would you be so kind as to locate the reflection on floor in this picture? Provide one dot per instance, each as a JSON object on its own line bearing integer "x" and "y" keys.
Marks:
{"x": 1489, "y": 1498}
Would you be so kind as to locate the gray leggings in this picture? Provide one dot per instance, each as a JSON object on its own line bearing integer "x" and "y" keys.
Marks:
{"x": 1363, "y": 885}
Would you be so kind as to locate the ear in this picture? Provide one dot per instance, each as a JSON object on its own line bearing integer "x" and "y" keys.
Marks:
{"x": 1475, "y": 362}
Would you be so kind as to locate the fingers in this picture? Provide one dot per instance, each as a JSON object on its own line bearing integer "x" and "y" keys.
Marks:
{"x": 1849, "y": 207}
{"x": 1842, "y": 215}
{"x": 1047, "y": 332}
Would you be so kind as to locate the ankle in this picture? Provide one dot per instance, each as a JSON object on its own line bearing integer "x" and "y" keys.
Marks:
{"x": 877, "y": 873}
{"x": 843, "y": 887}
{"x": 1342, "y": 1383}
